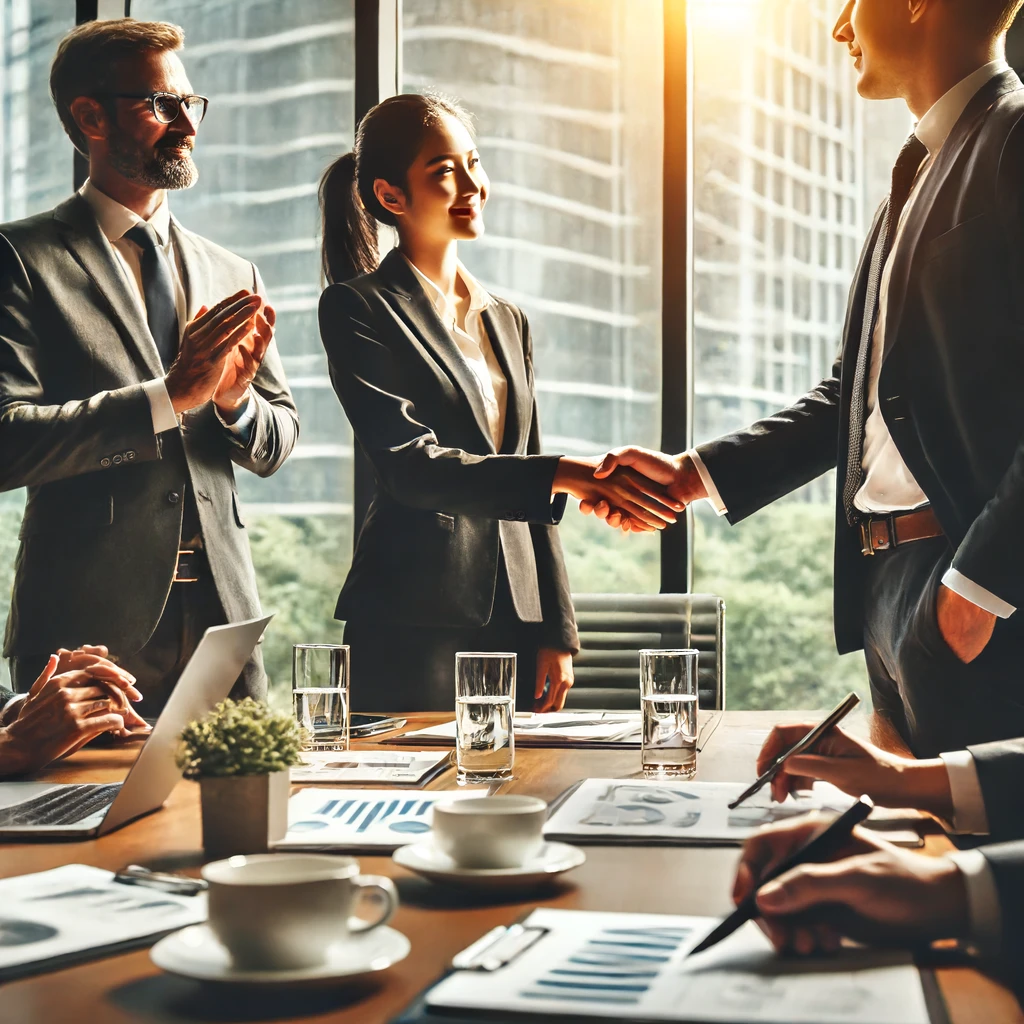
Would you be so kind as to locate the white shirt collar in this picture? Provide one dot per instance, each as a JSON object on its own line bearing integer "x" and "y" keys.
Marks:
{"x": 933, "y": 129}
{"x": 479, "y": 299}
{"x": 115, "y": 219}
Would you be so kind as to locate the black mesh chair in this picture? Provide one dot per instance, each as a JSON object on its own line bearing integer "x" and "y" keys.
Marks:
{"x": 615, "y": 627}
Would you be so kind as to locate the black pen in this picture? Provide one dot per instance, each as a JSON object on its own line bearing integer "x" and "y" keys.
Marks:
{"x": 834, "y": 717}
{"x": 817, "y": 850}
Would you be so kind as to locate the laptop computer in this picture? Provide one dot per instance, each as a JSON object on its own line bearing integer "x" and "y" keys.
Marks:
{"x": 41, "y": 810}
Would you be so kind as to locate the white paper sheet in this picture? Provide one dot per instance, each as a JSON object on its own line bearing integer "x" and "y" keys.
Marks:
{"x": 684, "y": 813}
{"x": 605, "y": 726}
{"x": 408, "y": 768}
{"x": 363, "y": 819}
{"x": 634, "y": 967}
{"x": 76, "y": 912}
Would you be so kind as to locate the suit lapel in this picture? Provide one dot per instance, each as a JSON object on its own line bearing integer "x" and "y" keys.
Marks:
{"x": 507, "y": 342}
{"x": 917, "y": 218}
{"x": 87, "y": 244}
{"x": 195, "y": 269}
{"x": 419, "y": 314}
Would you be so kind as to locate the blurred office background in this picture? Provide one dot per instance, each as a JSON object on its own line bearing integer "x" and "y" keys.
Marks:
{"x": 789, "y": 166}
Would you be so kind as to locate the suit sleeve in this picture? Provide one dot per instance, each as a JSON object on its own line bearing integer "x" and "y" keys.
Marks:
{"x": 1000, "y": 768}
{"x": 558, "y": 629}
{"x": 1007, "y": 863}
{"x": 991, "y": 554}
{"x": 42, "y": 440}
{"x": 754, "y": 467}
{"x": 409, "y": 462}
{"x": 275, "y": 428}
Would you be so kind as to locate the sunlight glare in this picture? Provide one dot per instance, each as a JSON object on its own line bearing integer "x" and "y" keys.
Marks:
{"x": 724, "y": 15}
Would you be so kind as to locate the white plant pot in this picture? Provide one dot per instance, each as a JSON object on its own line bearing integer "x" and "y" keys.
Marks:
{"x": 243, "y": 813}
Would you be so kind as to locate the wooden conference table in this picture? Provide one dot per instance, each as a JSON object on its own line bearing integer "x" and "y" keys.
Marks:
{"x": 439, "y": 922}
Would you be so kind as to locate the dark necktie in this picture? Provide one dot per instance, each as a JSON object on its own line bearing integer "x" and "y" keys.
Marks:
{"x": 158, "y": 291}
{"x": 903, "y": 177}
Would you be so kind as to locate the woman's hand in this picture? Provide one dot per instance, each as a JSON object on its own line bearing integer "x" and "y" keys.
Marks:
{"x": 555, "y": 666}
{"x": 857, "y": 767}
{"x": 871, "y": 892}
{"x": 645, "y": 503}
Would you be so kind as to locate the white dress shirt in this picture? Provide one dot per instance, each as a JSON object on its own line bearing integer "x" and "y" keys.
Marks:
{"x": 889, "y": 485}
{"x": 470, "y": 334}
{"x": 115, "y": 222}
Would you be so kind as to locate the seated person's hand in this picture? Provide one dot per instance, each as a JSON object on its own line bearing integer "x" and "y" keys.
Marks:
{"x": 857, "y": 767}
{"x": 676, "y": 474}
{"x": 872, "y": 892}
{"x": 62, "y": 712}
{"x": 646, "y": 503}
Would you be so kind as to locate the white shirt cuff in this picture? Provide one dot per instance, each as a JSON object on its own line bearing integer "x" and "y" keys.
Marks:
{"x": 969, "y": 815}
{"x": 984, "y": 599}
{"x": 986, "y": 919}
{"x": 240, "y": 428}
{"x": 164, "y": 416}
{"x": 714, "y": 498}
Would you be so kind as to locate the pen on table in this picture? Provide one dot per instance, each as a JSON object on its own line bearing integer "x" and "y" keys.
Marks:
{"x": 834, "y": 717}
{"x": 817, "y": 850}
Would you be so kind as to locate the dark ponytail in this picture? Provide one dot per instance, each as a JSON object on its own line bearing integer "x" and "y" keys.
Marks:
{"x": 388, "y": 140}
{"x": 349, "y": 246}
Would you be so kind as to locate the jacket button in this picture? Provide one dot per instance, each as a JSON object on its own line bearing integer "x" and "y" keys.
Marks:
{"x": 130, "y": 454}
{"x": 105, "y": 463}
{"x": 173, "y": 497}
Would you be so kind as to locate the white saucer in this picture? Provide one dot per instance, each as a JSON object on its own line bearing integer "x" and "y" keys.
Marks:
{"x": 196, "y": 953}
{"x": 427, "y": 860}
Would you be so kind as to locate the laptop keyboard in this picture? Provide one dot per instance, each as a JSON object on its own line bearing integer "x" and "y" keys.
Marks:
{"x": 63, "y": 806}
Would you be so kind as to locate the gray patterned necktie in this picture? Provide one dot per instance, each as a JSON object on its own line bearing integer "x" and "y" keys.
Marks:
{"x": 903, "y": 177}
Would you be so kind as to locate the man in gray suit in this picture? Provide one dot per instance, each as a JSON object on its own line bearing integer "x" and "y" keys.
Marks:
{"x": 130, "y": 386}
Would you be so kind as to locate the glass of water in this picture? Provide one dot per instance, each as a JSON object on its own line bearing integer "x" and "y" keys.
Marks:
{"x": 668, "y": 699}
{"x": 485, "y": 699}
{"x": 320, "y": 678}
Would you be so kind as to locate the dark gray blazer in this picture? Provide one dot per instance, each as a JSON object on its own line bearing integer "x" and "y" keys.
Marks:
{"x": 1007, "y": 863}
{"x": 103, "y": 518}
{"x": 1000, "y": 768}
{"x": 446, "y": 502}
{"x": 952, "y": 375}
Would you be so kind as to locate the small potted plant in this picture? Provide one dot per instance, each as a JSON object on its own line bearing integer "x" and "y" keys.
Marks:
{"x": 240, "y": 754}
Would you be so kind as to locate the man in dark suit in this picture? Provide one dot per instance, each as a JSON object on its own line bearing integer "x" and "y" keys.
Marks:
{"x": 130, "y": 386}
{"x": 924, "y": 400}
{"x": 78, "y": 696}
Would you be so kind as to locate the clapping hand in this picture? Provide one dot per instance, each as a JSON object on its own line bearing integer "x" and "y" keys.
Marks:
{"x": 646, "y": 503}
{"x": 872, "y": 892}
{"x": 675, "y": 476}
{"x": 243, "y": 363}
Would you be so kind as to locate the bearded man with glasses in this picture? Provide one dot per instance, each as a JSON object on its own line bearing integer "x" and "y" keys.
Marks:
{"x": 137, "y": 368}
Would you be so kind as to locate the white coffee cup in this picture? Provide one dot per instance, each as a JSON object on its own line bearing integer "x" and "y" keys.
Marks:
{"x": 490, "y": 831}
{"x": 283, "y": 911}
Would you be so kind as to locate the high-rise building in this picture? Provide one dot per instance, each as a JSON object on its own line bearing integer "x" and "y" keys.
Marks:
{"x": 789, "y": 168}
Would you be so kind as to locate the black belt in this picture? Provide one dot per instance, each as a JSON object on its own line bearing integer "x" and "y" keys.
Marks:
{"x": 191, "y": 565}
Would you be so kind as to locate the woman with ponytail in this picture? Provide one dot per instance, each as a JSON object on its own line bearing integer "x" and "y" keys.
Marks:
{"x": 459, "y": 549}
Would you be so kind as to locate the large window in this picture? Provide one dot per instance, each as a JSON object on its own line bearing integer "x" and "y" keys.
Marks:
{"x": 35, "y": 172}
{"x": 790, "y": 166}
{"x": 280, "y": 81}
{"x": 567, "y": 100}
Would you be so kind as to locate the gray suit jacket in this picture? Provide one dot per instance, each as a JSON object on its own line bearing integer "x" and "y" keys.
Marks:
{"x": 104, "y": 493}
{"x": 1001, "y": 774}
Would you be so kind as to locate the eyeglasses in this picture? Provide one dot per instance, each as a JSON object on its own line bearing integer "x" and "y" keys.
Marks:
{"x": 166, "y": 106}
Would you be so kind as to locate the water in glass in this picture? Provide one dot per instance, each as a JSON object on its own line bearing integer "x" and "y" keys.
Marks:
{"x": 670, "y": 734}
{"x": 323, "y": 712}
{"x": 485, "y": 745}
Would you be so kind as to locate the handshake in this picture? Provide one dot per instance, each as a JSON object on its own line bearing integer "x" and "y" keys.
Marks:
{"x": 632, "y": 489}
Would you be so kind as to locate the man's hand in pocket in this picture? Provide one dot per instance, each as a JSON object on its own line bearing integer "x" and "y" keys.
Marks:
{"x": 964, "y": 626}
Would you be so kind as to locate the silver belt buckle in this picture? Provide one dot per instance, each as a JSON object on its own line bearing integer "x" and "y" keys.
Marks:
{"x": 184, "y": 568}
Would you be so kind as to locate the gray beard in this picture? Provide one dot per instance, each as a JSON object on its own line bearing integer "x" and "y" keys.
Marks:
{"x": 159, "y": 171}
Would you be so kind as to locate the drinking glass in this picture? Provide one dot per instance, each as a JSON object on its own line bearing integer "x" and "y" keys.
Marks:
{"x": 320, "y": 680}
{"x": 668, "y": 700}
{"x": 485, "y": 698}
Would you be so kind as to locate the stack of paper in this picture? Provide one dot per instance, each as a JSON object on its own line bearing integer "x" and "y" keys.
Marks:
{"x": 367, "y": 820}
{"x": 75, "y": 913}
{"x": 415, "y": 768}
{"x": 635, "y": 967}
{"x": 642, "y": 811}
